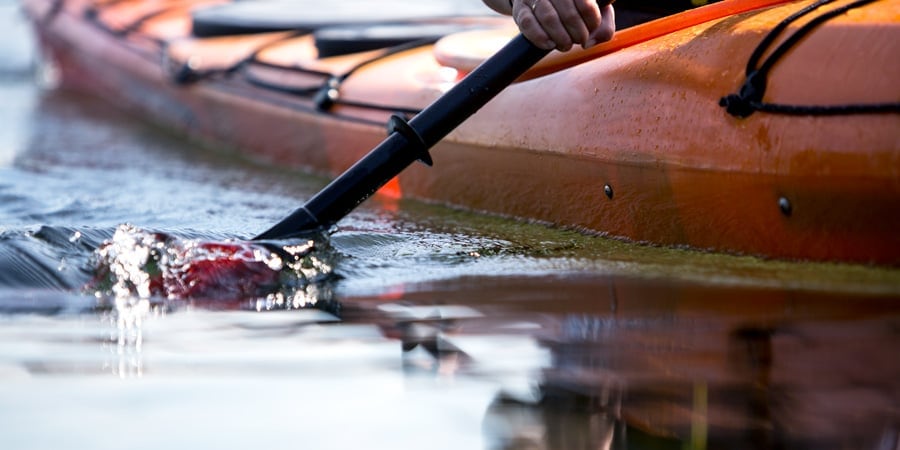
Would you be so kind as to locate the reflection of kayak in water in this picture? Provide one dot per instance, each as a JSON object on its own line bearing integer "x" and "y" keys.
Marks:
{"x": 695, "y": 377}
{"x": 627, "y": 139}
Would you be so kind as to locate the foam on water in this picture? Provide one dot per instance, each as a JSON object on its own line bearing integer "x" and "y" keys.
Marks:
{"x": 145, "y": 264}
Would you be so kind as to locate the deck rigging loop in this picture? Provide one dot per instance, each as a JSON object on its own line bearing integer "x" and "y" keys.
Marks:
{"x": 185, "y": 73}
{"x": 748, "y": 99}
{"x": 325, "y": 94}
{"x": 329, "y": 93}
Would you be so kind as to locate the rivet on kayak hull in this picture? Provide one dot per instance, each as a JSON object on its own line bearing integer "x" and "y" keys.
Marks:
{"x": 785, "y": 205}
{"x": 607, "y": 189}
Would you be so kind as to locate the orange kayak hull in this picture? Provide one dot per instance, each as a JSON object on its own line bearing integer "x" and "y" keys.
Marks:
{"x": 630, "y": 143}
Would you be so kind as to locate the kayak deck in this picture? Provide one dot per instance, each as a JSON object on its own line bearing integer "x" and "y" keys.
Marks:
{"x": 632, "y": 145}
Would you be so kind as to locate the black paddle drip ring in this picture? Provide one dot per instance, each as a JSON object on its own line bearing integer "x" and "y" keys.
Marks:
{"x": 400, "y": 125}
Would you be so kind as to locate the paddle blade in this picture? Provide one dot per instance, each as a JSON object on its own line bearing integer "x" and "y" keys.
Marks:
{"x": 143, "y": 264}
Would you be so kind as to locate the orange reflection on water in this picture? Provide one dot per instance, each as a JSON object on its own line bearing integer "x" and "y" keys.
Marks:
{"x": 637, "y": 363}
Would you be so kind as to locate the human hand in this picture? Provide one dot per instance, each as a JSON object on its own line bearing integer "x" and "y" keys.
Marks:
{"x": 560, "y": 24}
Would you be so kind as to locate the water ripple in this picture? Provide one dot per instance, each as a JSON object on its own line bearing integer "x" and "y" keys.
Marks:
{"x": 50, "y": 258}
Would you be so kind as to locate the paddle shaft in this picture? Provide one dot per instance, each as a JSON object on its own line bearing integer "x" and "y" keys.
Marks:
{"x": 408, "y": 143}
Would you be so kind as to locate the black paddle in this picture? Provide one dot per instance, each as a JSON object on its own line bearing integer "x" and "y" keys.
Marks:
{"x": 409, "y": 141}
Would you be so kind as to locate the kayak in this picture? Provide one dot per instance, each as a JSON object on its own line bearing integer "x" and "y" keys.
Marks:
{"x": 755, "y": 127}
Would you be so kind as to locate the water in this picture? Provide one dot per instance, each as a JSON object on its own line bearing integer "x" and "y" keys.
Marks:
{"x": 433, "y": 328}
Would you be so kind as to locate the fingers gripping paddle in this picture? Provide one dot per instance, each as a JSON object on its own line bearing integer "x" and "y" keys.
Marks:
{"x": 409, "y": 141}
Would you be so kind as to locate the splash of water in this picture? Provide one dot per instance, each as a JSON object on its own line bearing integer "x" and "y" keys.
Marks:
{"x": 140, "y": 264}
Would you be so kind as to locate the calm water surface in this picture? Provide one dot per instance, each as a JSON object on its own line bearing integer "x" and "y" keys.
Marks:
{"x": 435, "y": 328}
